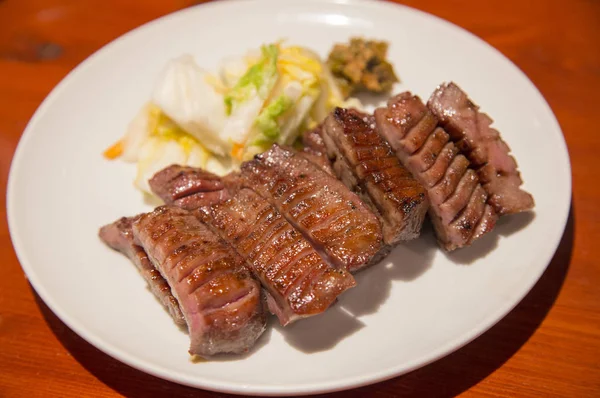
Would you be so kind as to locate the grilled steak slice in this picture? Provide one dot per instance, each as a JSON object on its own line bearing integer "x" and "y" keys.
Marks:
{"x": 188, "y": 187}
{"x": 334, "y": 219}
{"x": 284, "y": 300}
{"x": 299, "y": 282}
{"x": 367, "y": 165}
{"x": 315, "y": 150}
{"x": 458, "y": 210}
{"x": 484, "y": 147}
{"x": 119, "y": 236}
{"x": 313, "y": 140}
{"x": 221, "y": 302}
{"x": 319, "y": 160}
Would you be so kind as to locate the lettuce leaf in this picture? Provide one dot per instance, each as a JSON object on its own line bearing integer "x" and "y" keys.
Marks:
{"x": 266, "y": 121}
{"x": 258, "y": 80}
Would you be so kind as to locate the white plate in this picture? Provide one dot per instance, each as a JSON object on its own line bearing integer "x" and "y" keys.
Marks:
{"x": 414, "y": 308}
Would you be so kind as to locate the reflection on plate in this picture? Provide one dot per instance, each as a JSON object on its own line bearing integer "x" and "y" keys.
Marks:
{"x": 415, "y": 307}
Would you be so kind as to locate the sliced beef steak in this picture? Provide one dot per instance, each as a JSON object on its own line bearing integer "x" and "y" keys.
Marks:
{"x": 299, "y": 282}
{"x": 321, "y": 207}
{"x": 220, "y": 301}
{"x": 315, "y": 150}
{"x": 367, "y": 165}
{"x": 471, "y": 130}
{"x": 313, "y": 140}
{"x": 119, "y": 236}
{"x": 188, "y": 187}
{"x": 458, "y": 209}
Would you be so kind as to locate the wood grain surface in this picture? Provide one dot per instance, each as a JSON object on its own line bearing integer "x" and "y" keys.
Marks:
{"x": 549, "y": 345}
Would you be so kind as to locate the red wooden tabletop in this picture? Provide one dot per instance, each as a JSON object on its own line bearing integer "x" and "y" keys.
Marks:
{"x": 549, "y": 345}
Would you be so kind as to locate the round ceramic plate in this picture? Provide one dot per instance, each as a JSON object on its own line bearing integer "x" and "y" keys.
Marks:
{"x": 415, "y": 307}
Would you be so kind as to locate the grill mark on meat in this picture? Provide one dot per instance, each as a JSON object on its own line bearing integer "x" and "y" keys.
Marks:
{"x": 222, "y": 306}
{"x": 300, "y": 196}
{"x": 453, "y": 188}
{"x": 267, "y": 236}
{"x": 442, "y": 191}
{"x": 158, "y": 232}
{"x": 178, "y": 253}
{"x": 276, "y": 227}
{"x": 267, "y": 219}
{"x": 336, "y": 221}
{"x": 290, "y": 249}
{"x": 271, "y": 236}
{"x": 391, "y": 174}
{"x": 434, "y": 174}
{"x": 185, "y": 263}
{"x": 338, "y": 227}
{"x": 198, "y": 258}
{"x": 366, "y": 164}
{"x": 299, "y": 193}
{"x": 304, "y": 284}
{"x": 119, "y": 236}
{"x": 274, "y": 245}
{"x": 483, "y": 146}
{"x": 175, "y": 236}
{"x": 186, "y": 248}
{"x": 278, "y": 255}
{"x": 287, "y": 275}
{"x": 426, "y": 156}
{"x": 373, "y": 153}
{"x": 459, "y": 199}
{"x": 265, "y": 213}
{"x": 194, "y": 201}
{"x": 280, "y": 173}
{"x": 370, "y": 166}
{"x": 237, "y": 312}
{"x": 287, "y": 246}
{"x": 327, "y": 223}
{"x": 219, "y": 291}
{"x": 468, "y": 219}
{"x": 188, "y": 187}
{"x": 319, "y": 213}
{"x": 181, "y": 238}
{"x": 200, "y": 276}
{"x": 487, "y": 222}
{"x": 300, "y": 271}
{"x": 416, "y": 136}
{"x": 298, "y": 210}
{"x": 208, "y": 311}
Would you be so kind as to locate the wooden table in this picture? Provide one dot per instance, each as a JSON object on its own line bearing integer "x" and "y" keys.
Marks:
{"x": 549, "y": 345}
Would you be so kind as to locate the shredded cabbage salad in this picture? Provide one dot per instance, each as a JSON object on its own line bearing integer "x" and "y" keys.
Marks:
{"x": 217, "y": 121}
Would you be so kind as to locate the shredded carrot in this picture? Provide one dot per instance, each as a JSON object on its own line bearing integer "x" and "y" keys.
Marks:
{"x": 114, "y": 151}
{"x": 237, "y": 151}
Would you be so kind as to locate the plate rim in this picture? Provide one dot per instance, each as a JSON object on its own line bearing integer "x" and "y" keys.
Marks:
{"x": 262, "y": 389}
